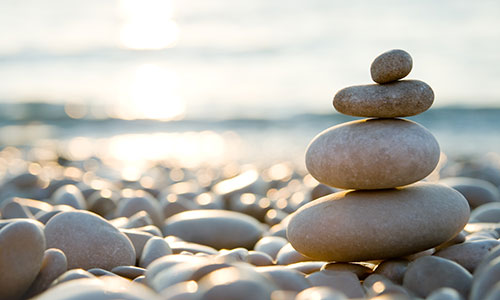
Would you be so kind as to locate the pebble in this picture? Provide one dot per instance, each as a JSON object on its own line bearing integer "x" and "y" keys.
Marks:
{"x": 138, "y": 239}
{"x": 485, "y": 278}
{"x": 100, "y": 272}
{"x": 341, "y": 227}
{"x": 70, "y": 195}
{"x": 372, "y": 154}
{"x": 391, "y": 66}
{"x": 12, "y": 210}
{"x": 468, "y": 254}
{"x": 129, "y": 272}
{"x": 320, "y": 293}
{"x": 430, "y": 273}
{"x": 89, "y": 241}
{"x": 141, "y": 201}
{"x": 393, "y": 100}
{"x": 187, "y": 290}
{"x": 105, "y": 288}
{"x": 72, "y": 274}
{"x": 288, "y": 255}
{"x": 215, "y": 228}
{"x": 22, "y": 246}
{"x": 103, "y": 202}
{"x": 486, "y": 213}
{"x": 258, "y": 258}
{"x": 286, "y": 279}
{"x": 476, "y": 191}
{"x": 393, "y": 269}
{"x": 345, "y": 282}
{"x": 361, "y": 271}
{"x": 307, "y": 267}
{"x": 445, "y": 293}
{"x": 53, "y": 265}
{"x": 178, "y": 247}
{"x": 270, "y": 245}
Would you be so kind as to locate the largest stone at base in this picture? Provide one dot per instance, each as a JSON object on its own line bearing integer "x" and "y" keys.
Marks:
{"x": 378, "y": 224}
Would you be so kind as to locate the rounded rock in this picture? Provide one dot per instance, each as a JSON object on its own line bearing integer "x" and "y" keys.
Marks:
{"x": 22, "y": 245}
{"x": 215, "y": 228}
{"x": 476, "y": 191}
{"x": 398, "y": 99}
{"x": 468, "y": 254}
{"x": 367, "y": 225}
{"x": 53, "y": 265}
{"x": 345, "y": 282}
{"x": 430, "y": 273}
{"x": 391, "y": 66}
{"x": 372, "y": 154}
{"x": 154, "y": 248}
{"x": 89, "y": 241}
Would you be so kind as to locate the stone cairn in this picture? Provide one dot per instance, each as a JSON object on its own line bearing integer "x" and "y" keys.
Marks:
{"x": 383, "y": 213}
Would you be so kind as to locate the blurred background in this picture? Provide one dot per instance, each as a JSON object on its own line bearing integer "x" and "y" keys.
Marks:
{"x": 209, "y": 82}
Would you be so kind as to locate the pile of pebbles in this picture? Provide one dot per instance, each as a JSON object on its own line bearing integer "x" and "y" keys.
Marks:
{"x": 78, "y": 230}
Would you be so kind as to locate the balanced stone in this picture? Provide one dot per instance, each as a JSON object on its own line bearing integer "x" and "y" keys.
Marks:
{"x": 89, "y": 241}
{"x": 391, "y": 65}
{"x": 368, "y": 225}
{"x": 398, "y": 99}
{"x": 372, "y": 154}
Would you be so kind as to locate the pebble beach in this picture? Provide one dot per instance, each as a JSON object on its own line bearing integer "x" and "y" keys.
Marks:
{"x": 377, "y": 212}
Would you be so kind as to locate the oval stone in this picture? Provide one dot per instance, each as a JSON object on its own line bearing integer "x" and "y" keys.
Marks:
{"x": 22, "y": 244}
{"x": 372, "y": 154}
{"x": 215, "y": 228}
{"x": 397, "y": 99}
{"x": 89, "y": 241}
{"x": 391, "y": 65}
{"x": 369, "y": 225}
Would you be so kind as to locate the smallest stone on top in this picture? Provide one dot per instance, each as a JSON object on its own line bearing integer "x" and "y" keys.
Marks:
{"x": 391, "y": 97}
{"x": 391, "y": 66}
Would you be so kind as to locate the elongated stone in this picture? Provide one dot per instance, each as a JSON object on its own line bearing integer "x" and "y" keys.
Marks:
{"x": 368, "y": 225}
{"x": 397, "y": 99}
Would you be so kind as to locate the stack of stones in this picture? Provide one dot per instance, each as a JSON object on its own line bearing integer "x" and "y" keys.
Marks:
{"x": 383, "y": 213}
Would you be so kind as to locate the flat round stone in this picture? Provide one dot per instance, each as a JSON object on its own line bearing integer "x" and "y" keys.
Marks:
{"x": 398, "y": 99}
{"x": 372, "y": 154}
{"x": 89, "y": 241}
{"x": 391, "y": 66}
{"x": 215, "y": 228}
{"x": 369, "y": 225}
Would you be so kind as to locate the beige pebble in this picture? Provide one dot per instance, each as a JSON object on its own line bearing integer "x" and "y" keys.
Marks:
{"x": 129, "y": 272}
{"x": 53, "y": 265}
{"x": 485, "y": 278}
{"x": 333, "y": 228}
{"x": 476, "y": 191}
{"x": 139, "y": 219}
{"x": 178, "y": 247}
{"x": 391, "y": 66}
{"x": 445, "y": 293}
{"x": 69, "y": 195}
{"x": 288, "y": 255}
{"x": 345, "y": 282}
{"x": 164, "y": 263}
{"x": 393, "y": 269}
{"x": 103, "y": 202}
{"x": 320, "y": 293}
{"x": 104, "y": 288}
{"x": 154, "y": 248}
{"x": 215, "y": 228}
{"x": 285, "y": 279}
{"x": 270, "y": 245}
{"x": 141, "y": 201}
{"x": 376, "y": 285}
{"x": 187, "y": 290}
{"x": 138, "y": 239}
{"x": 172, "y": 204}
{"x": 372, "y": 154}
{"x": 258, "y": 258}
{"x": 72, "y": 274}
{"x": 233, "y": 255}
{"x": 430, "y": 273}
{"x": 22, "y": 246}
{"x": 398, "y": 99}
{"x": 468, "y": 254}
{"x": 150, "y": 229}
{"x": 307, "y": 267}
{"x": 236, "y": 283}
{"x": 361, "y": 271}
{"x": 89, "y": 241}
